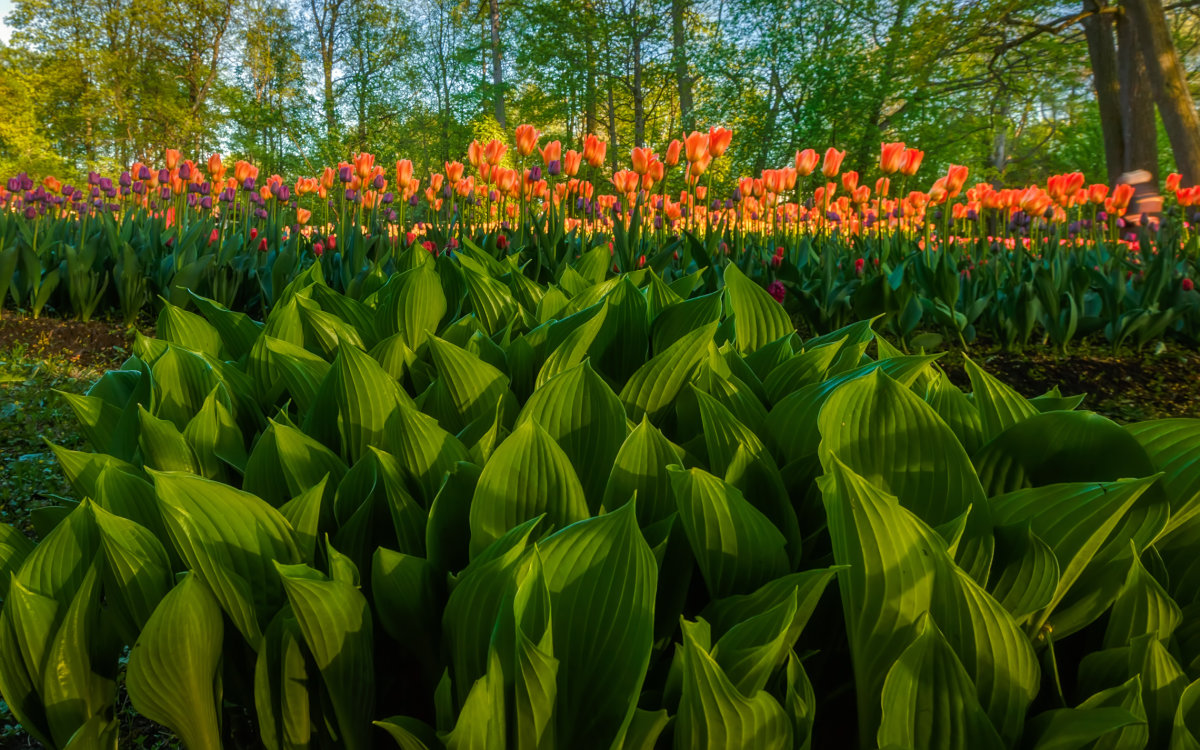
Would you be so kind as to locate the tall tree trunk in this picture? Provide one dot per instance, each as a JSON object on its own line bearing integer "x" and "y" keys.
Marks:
{"x": 683, "y": 77}
{"x": 639, "y": 96}
{"x": 1102, "y": 53}
{"x": 497, "y": 70}
{"x": 1139, "y": 129}
{"x": 612, "y": 125}
{"x": 589, "y": 91}
{"x": 1000, "y": 138}
{"x": 1169, "y": 82}
{"x": 868, "y": 145}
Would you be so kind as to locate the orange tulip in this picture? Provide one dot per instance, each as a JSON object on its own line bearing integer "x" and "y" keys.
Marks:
{"x": 882, "y": 185}
{"x": 363, "y": 164}
{"x": 171, "y": 158}
{"x": 657, "y": 170}
{"x": 302, "y": 216}
{"x": 938, "y": 192}
{"x": 494, "y": 151}
{"x": 454, "y": 171}
{"x": 1097, "y": 194}
{"x": 53, "y": 184}
{"x": 475, "y": 154}
{"x": 850, "y": 181}
{"x": 404, "y": 173}
{"x": 673, "y": 152}
{"x": 1173, "y": 181}
{"x": 641, "y": 159}
{"x": 806, "y": 162}
{"x": 862, "y": 194}
{"x": 625, "y": 181}
{"x": 436, "y": 180}
{"x": 955, "y": 179}
{"x": 912, "y": 162}
{"x": 594, "y": 150}
{"x": 700, "y": 166}
{"x": 216, "y": 169}
{"x": 891, "y": 157}
{"x": 833, "y": 162}
{"x": 1121, "y": 196}
{"x": 718, "y": 141}
{"x": 696, "y": 146}
{"x": 527, "y": 137}
{"x": 571, "y": 163}
{"x": 551, "y": 152}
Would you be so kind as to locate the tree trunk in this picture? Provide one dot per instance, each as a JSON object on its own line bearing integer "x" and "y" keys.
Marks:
{"x": 639, "y": 96}
{"x": 1169, "y": 82}
{"x": 497, "y": 70}
{"x": 1139, "y": 129}
{"x": 683, "y": 77}
{"x": 1102, "y": 53}
{"x": 589, "y": 92}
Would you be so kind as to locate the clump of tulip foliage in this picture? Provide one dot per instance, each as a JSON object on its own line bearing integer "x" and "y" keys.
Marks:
{"x": 931, "y": 258}
{"x": 457, "y": 506}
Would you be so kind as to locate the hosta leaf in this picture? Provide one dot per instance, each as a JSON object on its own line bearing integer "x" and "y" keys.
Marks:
{"x": 757, "y": 318}
{"x": 281, "y": 685}
{"x": 601, "y": 576}
{"x": 408, "y": 600}
{"x": 1000, "y": 407}
{"x": 303, "y": 461}
{"x": 639, "y": 469}
{"x": 230, "y": 539}
{"x": 164, "y": 447}
{"x": 527, "y": 476}
{"x": 586, "y": 419}
{"x": 1025, "y": 574}
{"x": 1163, "y": 685}
{"x": 1171, "y": 446}
{"x": 929, "y": 700}
{"x": 736, "y": 546}
{"x": 751, "y": 651}
{"x": 336, "y": 623}
{"x": 806, "y": 587}
{"x": 416, "y": 307}
{"x": 97, "y": 418}
{"x": 651, "y": 390}
{"x": 1185, "y": 732}
{"x": 474, "y": 387}
{"x": 1072, "y": 728}
{"x": 410, "y": 733}
{"x": 1128, "y": 697}
{"x": 714, "y": 714}
{"x": 297, "y": 371}
{"x": 573, "y": 339}
{"x": 886, "y": 434}
{"x": 682, "y": 318}
{"x": 138, "y": 572}
{"x": 425, "y": 451}
{"x": 14, "y": 548}
{"x": 481, "y": 722}
{"x": 172, "y": 675}
{"x": 72, "y": 691}
{"x": 354, "y": 404}
{"x": 1074, "y": 520}
{"x": 799, "y": 371}
{"x": 215, "y": 438}
{"x": 189, "y": 330}
{"x": 1142, "y": 607}
{"x": 237, "y": 330}
{"x": 491, "y": 301}
{"x": 57, "y": 566}
{"x": 448, "y": 532}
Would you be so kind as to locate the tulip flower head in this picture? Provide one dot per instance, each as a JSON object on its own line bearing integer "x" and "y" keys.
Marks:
{"x": 673, "y": 152}
{"x": 912, "y": 162}
{"x": 718, "y": 141}
{"x": 832, "y": 163}
{"x": 696, "y": 146}
{"x": 594, "y": 150}
{"x": 891, "y": 157}
{"x": 806, "y": 161}
{"x": 526, "y": 137}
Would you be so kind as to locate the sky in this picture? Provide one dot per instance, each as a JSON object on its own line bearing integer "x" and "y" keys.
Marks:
{"x": 5, "y": 7}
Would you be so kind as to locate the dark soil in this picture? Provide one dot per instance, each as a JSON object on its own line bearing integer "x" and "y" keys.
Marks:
{"x": 96, "y": 344}
{"x": 1129, "y": 387}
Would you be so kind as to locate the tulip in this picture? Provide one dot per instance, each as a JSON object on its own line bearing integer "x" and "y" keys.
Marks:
{"x": 52, "y": 184}
{"x": 806, "y": 162}
{"x": 362, "y": 165}
{"x": 912, "y": 162}
{"x": 171, "y": 158}
{"x": 551, "y": 152}
{"x": 1121, "y": 196}
{"x": 527, "y": 137}
{"x": 216, "y": 169}
{"x": 454, "y": 171}
{"x": 891, "y": 157}
{"x": 955, "y": 179}
{"x": 494, "y": 151}
{"x": 832, "y": 162}
{"x": 673, "y": 150}
{"x": 641, "y": 160}
{"x": 850, "y": 181}
{"x": 882, "y": 185}
{"x": 475, "y": 154}
{"x": 571, "y": 163}
{"x": 696, "y": 146}
{"x": 1173, "y": 181}
{"x": 303, "y": 215}
{"x": 212, "y": 237}
{"x": 718, "y": 141}
{"x": 262, "y": 245}
{"x": 594, "y": 150}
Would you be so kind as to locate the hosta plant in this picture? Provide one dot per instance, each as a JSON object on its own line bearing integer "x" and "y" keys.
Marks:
{"x": 472, "y": 510}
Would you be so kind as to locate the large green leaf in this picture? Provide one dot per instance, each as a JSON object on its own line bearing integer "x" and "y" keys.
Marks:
{"x": 172, "y": 675}
{"x": 757, "y": 318}
{"x": 336, "y": 623}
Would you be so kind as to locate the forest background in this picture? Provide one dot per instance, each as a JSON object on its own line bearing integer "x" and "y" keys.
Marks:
{"x": 1014, "y": 89}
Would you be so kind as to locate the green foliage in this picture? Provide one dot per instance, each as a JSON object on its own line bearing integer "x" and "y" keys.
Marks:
{"x": 353, "y": 542}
